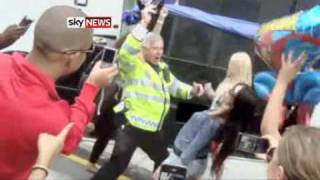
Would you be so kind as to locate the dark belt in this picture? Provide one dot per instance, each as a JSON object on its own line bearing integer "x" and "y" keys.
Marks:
{"x": 178, "y": 152}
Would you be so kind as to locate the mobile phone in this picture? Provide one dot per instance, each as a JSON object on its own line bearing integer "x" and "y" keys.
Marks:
{"x": 171, "y": 172}
{"x": 252, "y": 144}
{"x": 109, "y": 56}
{"x": 25, "y": 22}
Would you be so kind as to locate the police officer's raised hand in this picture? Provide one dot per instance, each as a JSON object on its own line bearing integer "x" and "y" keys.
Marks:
{"x": 197, "y": 90}
{"x": 102, "y": 76}
{"x": 164, "y": 12}
{"x": 146, "y": 14}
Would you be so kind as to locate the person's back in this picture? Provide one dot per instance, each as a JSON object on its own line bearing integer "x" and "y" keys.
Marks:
{"x": 27, "y": 106}
{"x": 6, "y": 63}
{"x": 29, "y": 103}
{"x": 194, "y": 137}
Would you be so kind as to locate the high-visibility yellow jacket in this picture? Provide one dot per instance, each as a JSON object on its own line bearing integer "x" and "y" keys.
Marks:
{"x": 146, "y": 93}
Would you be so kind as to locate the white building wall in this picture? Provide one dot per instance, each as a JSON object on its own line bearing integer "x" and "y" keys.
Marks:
{"x": 12, "y": 11}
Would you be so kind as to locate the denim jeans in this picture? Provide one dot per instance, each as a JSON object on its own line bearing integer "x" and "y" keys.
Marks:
{"x": 193, "y": 140}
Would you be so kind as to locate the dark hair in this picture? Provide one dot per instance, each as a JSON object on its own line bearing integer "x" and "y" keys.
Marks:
{"x": 240, "y": 115}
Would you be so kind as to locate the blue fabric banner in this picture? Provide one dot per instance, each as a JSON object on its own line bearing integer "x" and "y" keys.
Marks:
{"x": 237, "y": 26}
{"x": 243, "y": 28}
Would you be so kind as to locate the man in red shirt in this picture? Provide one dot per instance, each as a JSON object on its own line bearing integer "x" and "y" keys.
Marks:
{"x": 29, "y": 103}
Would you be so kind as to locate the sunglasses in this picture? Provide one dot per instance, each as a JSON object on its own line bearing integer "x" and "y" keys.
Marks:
{"x": 68, "y": 52}
{"x": 88, "y": 51}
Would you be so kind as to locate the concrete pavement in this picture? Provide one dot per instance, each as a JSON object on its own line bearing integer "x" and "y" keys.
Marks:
{"x": 140, "y": 167}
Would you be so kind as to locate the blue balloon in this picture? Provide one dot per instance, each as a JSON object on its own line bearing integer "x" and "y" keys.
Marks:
{"x": 304, "y": 89}
{"x": 264, "y": 83}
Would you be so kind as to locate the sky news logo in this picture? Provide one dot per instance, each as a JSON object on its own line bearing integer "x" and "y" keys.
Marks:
{"x": 90, "y": 22}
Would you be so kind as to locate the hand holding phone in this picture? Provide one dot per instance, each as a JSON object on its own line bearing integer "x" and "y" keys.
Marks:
{"x": 108, "y": 56}
{"x": 97, "y": 53}
{"x": 252, "y": 144}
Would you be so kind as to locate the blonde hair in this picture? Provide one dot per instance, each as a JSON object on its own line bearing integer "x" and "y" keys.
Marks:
{"x": 239, "y": 71}
{"x": 298, "y": 153}
{"x": 240, "y": 68}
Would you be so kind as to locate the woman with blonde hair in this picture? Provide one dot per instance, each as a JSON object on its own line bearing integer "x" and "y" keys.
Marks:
{"x": 232, "y": 108}
{"x": 293, "y": 156}
{"x": 239, "y": 71}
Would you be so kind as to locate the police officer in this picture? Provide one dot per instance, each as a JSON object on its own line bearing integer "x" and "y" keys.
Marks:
{"x": 147, "y": 86}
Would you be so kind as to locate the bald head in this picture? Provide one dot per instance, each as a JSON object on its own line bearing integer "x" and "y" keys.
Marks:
{"x": 51, "y": 32}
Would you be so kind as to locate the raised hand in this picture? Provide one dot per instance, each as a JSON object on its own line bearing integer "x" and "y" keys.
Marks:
{"x": 146, "y": 14}
{"x": 290, "y": 67}
{"x": 102, "y": 76}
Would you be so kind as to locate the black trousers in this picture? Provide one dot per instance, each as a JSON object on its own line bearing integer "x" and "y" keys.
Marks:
{"x": 105, "y": 128}
{"x": 105, "y": 125}
{"x": 127, "y": 140}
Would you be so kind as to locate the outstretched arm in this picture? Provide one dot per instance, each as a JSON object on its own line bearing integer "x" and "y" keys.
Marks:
{"x": 133, "y": 43}
{"x": 162, "y": 17}
{"x": 273, "y": 112}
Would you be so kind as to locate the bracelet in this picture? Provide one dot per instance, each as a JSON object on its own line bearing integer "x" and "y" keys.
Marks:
{"x": 40, "y": 167}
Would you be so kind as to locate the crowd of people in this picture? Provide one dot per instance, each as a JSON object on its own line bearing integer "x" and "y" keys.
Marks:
{"x": 37, "y": 124}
